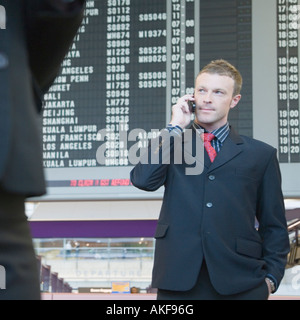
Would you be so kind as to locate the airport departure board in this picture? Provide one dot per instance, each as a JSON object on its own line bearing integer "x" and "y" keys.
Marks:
{"x": 129, "y": 63}
{"x": 288, "y": 23}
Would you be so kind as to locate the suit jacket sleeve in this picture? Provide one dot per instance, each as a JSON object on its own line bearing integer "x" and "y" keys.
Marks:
{"x": 151, "y": 172}
{"x": 272, "y": 221}
{"x": 50, "y": 30}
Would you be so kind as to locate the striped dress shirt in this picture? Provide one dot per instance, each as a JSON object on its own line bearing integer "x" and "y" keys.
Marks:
{"x": 220, "y": 134}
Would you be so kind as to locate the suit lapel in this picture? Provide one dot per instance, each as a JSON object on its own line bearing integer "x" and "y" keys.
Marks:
{"x": 230, "y": 149}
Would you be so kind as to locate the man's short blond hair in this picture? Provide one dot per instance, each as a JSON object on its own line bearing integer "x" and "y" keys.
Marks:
{"x": 224, "y": 68}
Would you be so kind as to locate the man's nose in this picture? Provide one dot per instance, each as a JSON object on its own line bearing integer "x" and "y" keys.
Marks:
{"x": 207, "y": 97}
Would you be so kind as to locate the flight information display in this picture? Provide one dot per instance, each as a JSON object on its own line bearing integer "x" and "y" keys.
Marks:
{"x": 129, "y": 63}
{"x": 288, "y": 24}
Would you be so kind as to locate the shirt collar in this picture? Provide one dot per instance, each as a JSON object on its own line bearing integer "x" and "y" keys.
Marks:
{"x": 221, "y": 133}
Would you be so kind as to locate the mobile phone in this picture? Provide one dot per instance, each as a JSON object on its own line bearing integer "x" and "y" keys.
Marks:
{"x": 192, "y": 106}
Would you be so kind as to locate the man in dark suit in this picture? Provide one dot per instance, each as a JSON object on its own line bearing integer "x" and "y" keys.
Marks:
{"x": 37, "y": 37}
{"x": 208, "y": 244}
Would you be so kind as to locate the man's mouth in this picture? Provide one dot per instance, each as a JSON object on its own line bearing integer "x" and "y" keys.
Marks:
{"x": 206, "y": 109}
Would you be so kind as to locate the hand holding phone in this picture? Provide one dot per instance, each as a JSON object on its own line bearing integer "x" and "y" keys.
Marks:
{"x": 182, "y": 111}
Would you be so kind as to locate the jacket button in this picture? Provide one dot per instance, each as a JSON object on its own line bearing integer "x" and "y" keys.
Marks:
{"x": 209, "y": 205}
{"x": 3, "y": 61}
{"x": 211, "y": 177}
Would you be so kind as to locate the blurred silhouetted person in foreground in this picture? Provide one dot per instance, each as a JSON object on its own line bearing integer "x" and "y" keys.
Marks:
{"x": 33, "y": 44}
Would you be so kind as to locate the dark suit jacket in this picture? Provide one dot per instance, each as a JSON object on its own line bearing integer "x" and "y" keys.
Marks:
{"x": 212, "y": 216}
{"x": 32, "y": 47}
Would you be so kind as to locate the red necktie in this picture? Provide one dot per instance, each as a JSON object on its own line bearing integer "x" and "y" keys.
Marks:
{"x": 207, "y": 138}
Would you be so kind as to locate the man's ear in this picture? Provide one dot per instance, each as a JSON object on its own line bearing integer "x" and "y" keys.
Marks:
{"x": 2, "y": 18}
{"x": 235, "y": 100}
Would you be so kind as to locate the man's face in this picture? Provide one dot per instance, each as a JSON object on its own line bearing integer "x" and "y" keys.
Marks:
{"x": 214, "y": 99}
